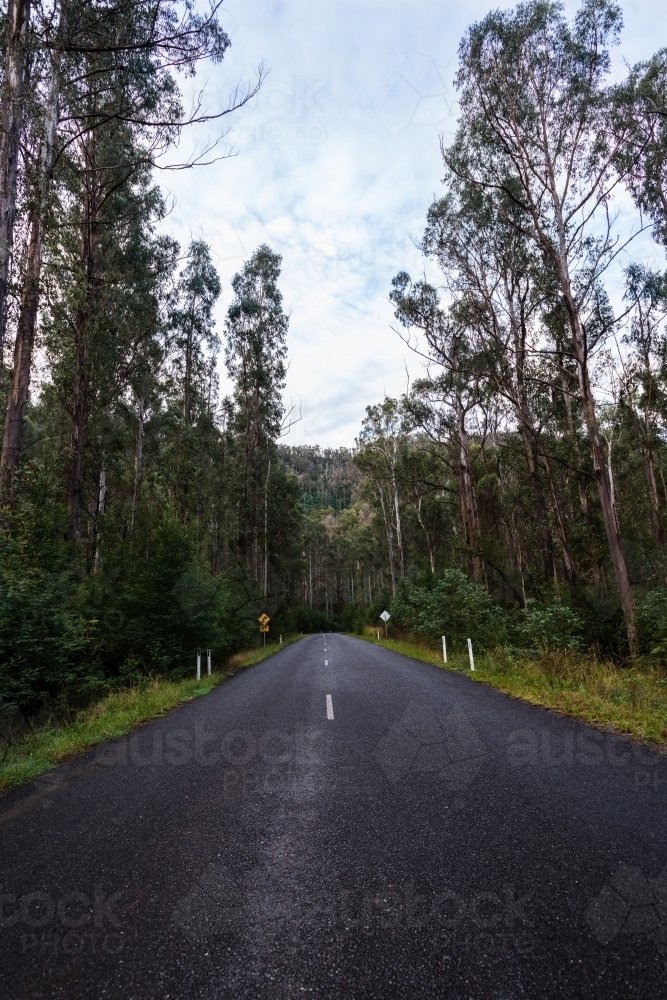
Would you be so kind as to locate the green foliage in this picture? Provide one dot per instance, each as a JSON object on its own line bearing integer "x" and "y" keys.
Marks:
{"x": 652, "y": 622}
{"x": 62, "y": 631}
{"x": 44, "y": 632}
{"x": 352, "y": 619}
{"x": 327, "y": 476}
{"x": 456, "y": 608}
{"x": 550, "y": 626}
{"x": 307, "y": 620}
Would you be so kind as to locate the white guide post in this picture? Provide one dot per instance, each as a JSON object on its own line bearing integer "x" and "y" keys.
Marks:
{"x": 199, "y": 664}
{"x": 444, "y": 649}
{"x": 281, "y": 641}
{"x": 208, "y": 662}
{"x": 472, "y": 662}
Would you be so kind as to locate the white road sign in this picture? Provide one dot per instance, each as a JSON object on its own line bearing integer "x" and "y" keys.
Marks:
{"x": 385, "y": 616}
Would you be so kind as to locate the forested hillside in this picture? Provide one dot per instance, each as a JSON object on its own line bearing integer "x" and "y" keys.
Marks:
{"x": 516, "y": 494}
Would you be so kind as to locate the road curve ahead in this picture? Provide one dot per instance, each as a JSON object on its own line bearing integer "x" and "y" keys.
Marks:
{"x": 342, "y": 822}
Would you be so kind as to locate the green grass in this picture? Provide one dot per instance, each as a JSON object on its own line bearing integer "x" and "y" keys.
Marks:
{"x": 112, "y": 716}
{"x": 625, "y": 699}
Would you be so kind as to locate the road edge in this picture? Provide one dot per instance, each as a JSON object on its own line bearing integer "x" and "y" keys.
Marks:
{"x": 40, "y": 752}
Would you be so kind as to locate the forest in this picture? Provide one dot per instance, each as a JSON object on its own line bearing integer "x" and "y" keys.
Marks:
{"x": 516, "y": 494}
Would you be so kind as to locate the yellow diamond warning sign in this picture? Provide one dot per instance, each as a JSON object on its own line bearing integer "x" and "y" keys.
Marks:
{"x": 263, "y": 619}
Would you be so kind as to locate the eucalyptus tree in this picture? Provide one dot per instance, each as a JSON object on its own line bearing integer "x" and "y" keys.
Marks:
{"x": 497, "y": 284}
{"x": 639, "y": 116}
{"x": 534, "y": 129}
{"x": 380, "y": 446}
{"x": 12, "y": 107}
{"x": 255, "y": 353}
{"x": 444, "y": 403}
{"x": 193, "y": 349}
{"x": 102, "y": 310}
{"x": 94, "y": 67}
{"x": 38, "y": 182}
{"x": 644, "y": 382}
{"x": 423, "y": 487}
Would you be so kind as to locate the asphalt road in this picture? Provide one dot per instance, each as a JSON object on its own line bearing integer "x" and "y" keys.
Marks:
{"x": 432, "y": 839}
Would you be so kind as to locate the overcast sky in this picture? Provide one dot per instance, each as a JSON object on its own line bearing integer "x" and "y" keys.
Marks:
{"x": 338, "y": 160}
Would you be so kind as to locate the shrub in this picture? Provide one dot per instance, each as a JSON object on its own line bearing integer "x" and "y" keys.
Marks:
{"x": 652, "y": 623}
{"x": 456, "y": 608}
{"x": 551, "y": 626}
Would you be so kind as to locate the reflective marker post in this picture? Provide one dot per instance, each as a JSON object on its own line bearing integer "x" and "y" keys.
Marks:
{"x": 199, "y": 664}
{"x": 444, "y": 649}
{"x": 472, "y": 662}
{"x": 208, "y": 662}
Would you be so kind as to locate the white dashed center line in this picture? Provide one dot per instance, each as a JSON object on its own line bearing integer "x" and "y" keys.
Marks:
{"x": 329, "y": 707}
{"x": 326, "y": 663}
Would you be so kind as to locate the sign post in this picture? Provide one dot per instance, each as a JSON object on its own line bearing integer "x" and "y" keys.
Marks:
{"x": 264, "y": 624}
{"x": 385, "y": 616}
{"x": 199, "y": 664}
{"x": 208, "y": 662}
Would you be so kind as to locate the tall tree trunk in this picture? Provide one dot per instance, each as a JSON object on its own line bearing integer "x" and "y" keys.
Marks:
{"x": 568, "y": 562}
{"x": 654, "y": 500}
{"x": 79, "y": 410}
{"x": 599, "y": 467}
{"x": 466, "y": 489}
{"x": 266, "y": 530}
{"x": 100, "y": 506}
{"x": 512, "y": 534}
{"x": 646, "y": 432}
{"x": 561, "y": 259}
{"x": 89, "y": 194}
{"x": 138, "y": 458}
{"x": 520, "y": 337}
{"x": 390, "y": 540}
{"x": 27, "y": 322}
{"x": 544, "y": 529}
{"x": 583, "y": 499}
{"x": 12, "y": 97}
{"x": 399, "y": 536}
{"x": 431, "y": 554}
{"x": 610, "y": 475}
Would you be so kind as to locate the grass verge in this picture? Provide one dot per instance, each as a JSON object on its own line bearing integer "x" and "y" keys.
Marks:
{"x": 625, "y": 699}
{"x": 112, "y": 716}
